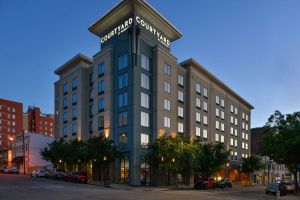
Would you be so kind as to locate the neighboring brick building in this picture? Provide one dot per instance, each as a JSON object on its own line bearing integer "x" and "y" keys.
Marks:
{"x": 11, "y": 123}
{"x": 36, "y": 122}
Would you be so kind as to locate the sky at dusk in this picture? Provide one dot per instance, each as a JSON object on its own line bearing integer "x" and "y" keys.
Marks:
{"x": 252, "y": 46}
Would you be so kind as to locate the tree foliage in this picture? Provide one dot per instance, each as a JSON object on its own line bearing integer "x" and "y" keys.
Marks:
{"x": 211, "y": 158}
{"x": 282, "y": 140}
{"x": 251, "y": 164}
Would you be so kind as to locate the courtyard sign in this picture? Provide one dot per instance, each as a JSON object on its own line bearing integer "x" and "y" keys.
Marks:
{"x": 127, "y": 23}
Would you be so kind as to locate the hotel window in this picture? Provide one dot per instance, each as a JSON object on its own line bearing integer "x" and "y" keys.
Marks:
{"x": 167, "y": 86}
{"x": 74, "y": 129}
{"x": 65, "y": 103}
{"x": 91, "y": 108}
{"x": 101, "y": 87}
{"x": 204, "y": 133}
{"x": 100, "y": 123}
{"x": 217, "y": 112}
{"x": 167, "y": 122}
{"x": 123, "y": 99}
{"x": 231, "y": 141}
{"x": 167, "y": 69}
{"x": 123, "y": 61}
{"x": 13, "y": 110}
{"x": 144, "y": 139}
{"x": 101, "y": 105}
{"x": 243, "y": 115}
{"x": 144, "y": 119}
{"x": 204, "y": 119}
{"x": 222, "y": 138}
{"x": 235, "y": 111}
{"x": 180, "y": 127}
{"x": 65, "y": 130}
{"x": 235, "y": 132}
{"x": 222, "y": 115}
{"x": 14, "y": 123}
{"x": 246, "y": 136}
{"x": 231, "y": 108}
{"x": 74, "y": 113}
{"x": 231, "y": 130}
{"x": 65, "y": 88}
{"x": 74, "y": 83}
{"x": 247, "y": 117}
{"x": 217, "y": 100}
{"x": 144, "y": 100}
{"x": 236, "y": 121}
{"x": 243, "y": 125}
{"x": 180, "y": 80}
{"x": 198, "y": 102}
{"x": 198, "y": 88}
{"x": 246, "y": 146}
{"x": 205, "y": 94}
{"x": 217, "y": 137}
{"x": 180, "y": 96}
{"x": 198, "y": 131}
{"x": 74, "y": 98}
{"x": 231, "y": 120}
{"x": 235, "y": 143}
{"x": 123, "y": 118}
{"x": 243, "y": 135}
{"x": 204, "y": 105}
{"x": 8, "y": 116}
{"x": 243, "y": 145}
{"x": 123, "y": 80}
{"x": 217, "y": 125}
{"x": 65, "y": 116}
{"x": 145, "y": 62}
{"x": 222, "y": 127}
{"x": 123, "y": 138}
{"x": 167, "y": 104}
{"x": 145, "y": 81}
{"x": 222, "y": 103}
{"x": 180, "y": 112}
{"x": 198, "y": 117}
{"x": 247, "y": 127}
{"x": 101, "y": 69}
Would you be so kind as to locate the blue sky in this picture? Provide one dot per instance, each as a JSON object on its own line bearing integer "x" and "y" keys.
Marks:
{"x": 252, "y": 46}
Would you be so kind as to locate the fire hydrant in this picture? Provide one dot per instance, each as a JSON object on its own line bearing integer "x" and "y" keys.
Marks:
{"x": 278, "y": 195}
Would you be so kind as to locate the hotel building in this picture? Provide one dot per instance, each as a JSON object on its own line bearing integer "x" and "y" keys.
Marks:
{"x": 134, "y": 90}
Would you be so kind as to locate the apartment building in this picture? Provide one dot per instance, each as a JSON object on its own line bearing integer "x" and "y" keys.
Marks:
{"x": 134, "y": 90}
{"x": 36, "y": 122}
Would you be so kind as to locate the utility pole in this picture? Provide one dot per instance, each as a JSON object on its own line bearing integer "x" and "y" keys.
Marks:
{"x": 24, "y": 165}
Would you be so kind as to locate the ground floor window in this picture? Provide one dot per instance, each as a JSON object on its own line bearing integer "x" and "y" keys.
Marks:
{"x": 124, "y": 169}
{"x": 145, "y": 171}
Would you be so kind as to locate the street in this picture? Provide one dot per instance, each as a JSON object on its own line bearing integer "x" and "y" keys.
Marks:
{"x": 13, "y": 187}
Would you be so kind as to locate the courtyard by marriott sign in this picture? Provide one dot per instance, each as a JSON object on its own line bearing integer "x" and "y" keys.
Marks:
{"x": 127, "y": 23}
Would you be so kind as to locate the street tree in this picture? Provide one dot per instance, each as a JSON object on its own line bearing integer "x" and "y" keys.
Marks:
{"x": 211, "y": 158}
{"x": 250, "y": 165}
{"x": 282, "y": 140}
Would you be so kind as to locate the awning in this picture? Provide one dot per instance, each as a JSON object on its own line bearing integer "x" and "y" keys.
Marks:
{"x": 17, "y": 159}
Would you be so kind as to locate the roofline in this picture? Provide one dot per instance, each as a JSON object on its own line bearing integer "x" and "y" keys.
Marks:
{"x": 123, "y": 3}
{"x": 200, "y": 68}
{"x": 76, "y": 59}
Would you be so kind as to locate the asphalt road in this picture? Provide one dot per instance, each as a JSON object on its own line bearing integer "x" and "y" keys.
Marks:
{"x": 15, "y": 187}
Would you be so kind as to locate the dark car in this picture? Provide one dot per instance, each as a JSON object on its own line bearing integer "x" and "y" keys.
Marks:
{"x": 224, "y": 182}
{"x": 204, "y": 183}
{"x": 77, "y": 177}
{"x": 273, "y": 187}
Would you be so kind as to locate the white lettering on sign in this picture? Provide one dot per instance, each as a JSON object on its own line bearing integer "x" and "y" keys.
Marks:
{"x": 126, "y": 24}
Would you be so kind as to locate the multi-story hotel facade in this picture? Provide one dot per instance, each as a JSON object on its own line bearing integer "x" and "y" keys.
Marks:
{"x": 134, "y": 90}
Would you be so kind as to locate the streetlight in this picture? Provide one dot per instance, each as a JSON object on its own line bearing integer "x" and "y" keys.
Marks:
{"x": 104, "y": 158}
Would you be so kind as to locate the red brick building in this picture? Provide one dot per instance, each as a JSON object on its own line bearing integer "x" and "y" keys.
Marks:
{"x": 36, "y": 122}
{"x": 11, "y": 122}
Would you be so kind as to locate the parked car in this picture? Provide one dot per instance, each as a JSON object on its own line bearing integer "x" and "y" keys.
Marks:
{"x": 14, "y": 170}
{"x": 273, "y": 187}
{"x": 204, "y": 183}
{"x": 56, "y": 174}
{"x": 290, "y": 186}
{"x": 224, "y": 182}
{"x": 39, "y": 173}
{"x": 76, "y": 177}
